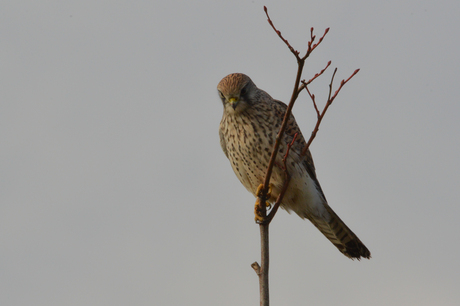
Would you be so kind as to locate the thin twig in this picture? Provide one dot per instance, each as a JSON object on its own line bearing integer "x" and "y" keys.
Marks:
{"x": 305, "y": 83}
{"x": 295, "y": 52}
{"x": 343, "y": 83}
{"x": 329, "y": 101}
{"x": 287, "y": 151}
{"x": 287, "y": 178}
{"x": 312, "y": 46}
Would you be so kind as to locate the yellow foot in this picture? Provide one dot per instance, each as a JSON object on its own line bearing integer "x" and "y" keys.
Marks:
{"x": 269, "y": 193}
{"x": 258, "y": 214}
{"x": 258, "y": 217}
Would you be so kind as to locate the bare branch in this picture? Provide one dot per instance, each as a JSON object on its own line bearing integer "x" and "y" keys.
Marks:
{"x": 262, "y": 270}
{"x": 271, "y": 163}
{"x": 287, "y": 151}
{"x": 295, "y": 93}
{"x": 305, "y": 83}
{"x": 312, "y": 46}
{"x": 343, "y": 83}
{"x": 295, "y": 52}
{"x": 329, "y": 101}
{"x": 312, "y": 96}
{"x": 287, "y": 178}
{"x": 330, "y": 86}
{"x": 256, "y": 267}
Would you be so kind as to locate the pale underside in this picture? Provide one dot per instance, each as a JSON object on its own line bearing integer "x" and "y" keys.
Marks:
{"x": 302, "y": 196}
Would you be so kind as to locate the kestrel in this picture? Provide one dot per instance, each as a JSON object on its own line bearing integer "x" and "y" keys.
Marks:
{"x": 248, "y": 131}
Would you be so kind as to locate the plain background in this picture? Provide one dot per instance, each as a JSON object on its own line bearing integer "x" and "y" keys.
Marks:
{"x": 114, "y": 189}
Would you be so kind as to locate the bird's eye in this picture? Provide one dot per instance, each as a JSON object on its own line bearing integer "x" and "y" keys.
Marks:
{"x": 221, "y": 95}
{"x": 243, "y": 91}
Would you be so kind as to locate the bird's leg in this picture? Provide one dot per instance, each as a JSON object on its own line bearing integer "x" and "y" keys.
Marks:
{"x": 258, "y": 217}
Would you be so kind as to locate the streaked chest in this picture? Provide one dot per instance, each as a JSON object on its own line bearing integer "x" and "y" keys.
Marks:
{"x": 249, "y": 140}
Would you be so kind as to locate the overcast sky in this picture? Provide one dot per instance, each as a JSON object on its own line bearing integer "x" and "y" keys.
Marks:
{"x": 114, "y": 189}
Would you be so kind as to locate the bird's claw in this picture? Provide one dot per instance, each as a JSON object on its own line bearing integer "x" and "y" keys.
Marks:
{"x": 269, "y": 192}
{"x": 257, "y": 211}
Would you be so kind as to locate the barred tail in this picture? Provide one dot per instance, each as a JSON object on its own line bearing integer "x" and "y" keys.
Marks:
{"x": 341, "y": 236}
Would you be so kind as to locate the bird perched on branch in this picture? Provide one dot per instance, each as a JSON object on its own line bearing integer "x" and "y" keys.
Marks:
{"x": 248, "y": 130}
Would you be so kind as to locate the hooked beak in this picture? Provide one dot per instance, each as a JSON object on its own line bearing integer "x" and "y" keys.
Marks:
{"x": 233, "y": 102}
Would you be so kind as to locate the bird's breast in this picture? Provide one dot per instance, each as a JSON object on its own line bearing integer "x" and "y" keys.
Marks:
{"x": 249, "y": 144}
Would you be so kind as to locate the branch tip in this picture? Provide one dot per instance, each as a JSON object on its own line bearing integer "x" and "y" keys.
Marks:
{"x": 256, "y": 267}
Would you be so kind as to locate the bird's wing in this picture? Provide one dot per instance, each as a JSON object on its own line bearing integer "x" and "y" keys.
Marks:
{"x": 334, "y": 229}
{"x": 291, "y": 129}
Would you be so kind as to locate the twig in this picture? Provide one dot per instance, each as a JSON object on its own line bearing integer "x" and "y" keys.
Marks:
{"x": 287, "y": 178}
{"x": 295, "y": 52}
{"x": 287, "y": 151}
{"x": 305, "y": 83}
{"x": 329, "y": 101}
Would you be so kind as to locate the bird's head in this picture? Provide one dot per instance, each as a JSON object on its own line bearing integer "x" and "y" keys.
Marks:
{"x": 237, "y": 92}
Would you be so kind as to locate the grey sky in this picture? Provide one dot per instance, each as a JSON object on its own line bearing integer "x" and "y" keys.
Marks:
{"x": 114, "y": 189}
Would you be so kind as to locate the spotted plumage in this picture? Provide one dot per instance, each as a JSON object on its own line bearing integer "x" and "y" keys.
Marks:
{"x": 248, "y": 131}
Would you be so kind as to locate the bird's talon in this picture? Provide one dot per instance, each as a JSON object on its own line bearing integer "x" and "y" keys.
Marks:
{"x": 259, "y": 190}
{"x": 269, "y": 192}
{"x": 261, "y": 187}
{"x": 259, "y": 218}
{"x": 258, "y": 214}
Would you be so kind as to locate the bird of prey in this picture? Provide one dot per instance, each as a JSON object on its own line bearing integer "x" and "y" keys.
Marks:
{"x": 248, "y": 130}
